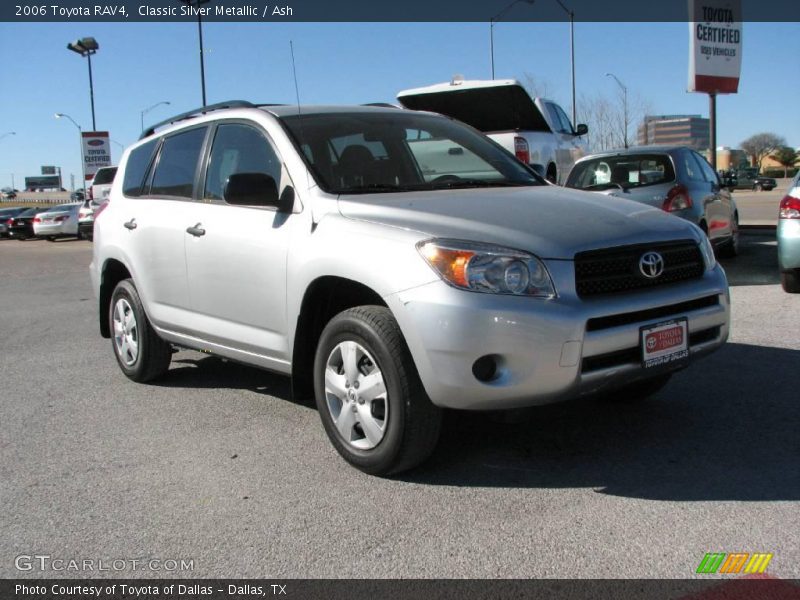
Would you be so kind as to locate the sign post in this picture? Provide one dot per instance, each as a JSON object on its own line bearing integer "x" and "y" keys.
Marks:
{"x": 715, "y": 54}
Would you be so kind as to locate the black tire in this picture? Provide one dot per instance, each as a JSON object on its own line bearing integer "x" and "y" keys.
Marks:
{"x": 413, "y": 422}
{"x": 637, "y": 392}
{"x": 757, "y": 187}
{"x": 153, "y": 354}
{"x": 790, "y": 281}
{"x": 51, "y": 238}
{"x": 552, "y": 174}
{"x": 731, "y": 248}
{"x": 79, "y": 235}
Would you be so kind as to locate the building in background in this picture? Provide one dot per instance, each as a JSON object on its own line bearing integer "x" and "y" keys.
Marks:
{"x": 675, "y": 130}
{"x": 730, "y": 158}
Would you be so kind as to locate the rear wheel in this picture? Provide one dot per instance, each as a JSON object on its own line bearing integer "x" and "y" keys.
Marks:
{"x": 140, "y": 353}
{"x": 790, "y": 281}
{"x": 369, "y": 395}
{"x": 51, "y": 238}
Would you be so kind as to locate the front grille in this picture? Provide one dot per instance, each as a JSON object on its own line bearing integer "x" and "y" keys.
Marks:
{"x": 650, "y": 314}
{"x": 616, "y": 270}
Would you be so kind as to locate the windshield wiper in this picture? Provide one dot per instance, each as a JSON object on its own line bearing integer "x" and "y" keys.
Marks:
{"x": 368, "y": 188}
{"x": 469, "y": 183}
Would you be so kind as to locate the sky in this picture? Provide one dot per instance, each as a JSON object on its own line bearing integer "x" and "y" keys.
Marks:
{"x": 140, "y": 64}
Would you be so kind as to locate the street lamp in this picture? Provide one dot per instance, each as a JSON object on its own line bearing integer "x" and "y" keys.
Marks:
{"x": 624, "y": 106}
{"x": 571, "y": 57}
{"x": 198, "y": 4}
{"x": 494, "y": 20}
{"x": 86, "y": 47}
{"x": 149, "y": 108}
{"x": 80, "y": 143}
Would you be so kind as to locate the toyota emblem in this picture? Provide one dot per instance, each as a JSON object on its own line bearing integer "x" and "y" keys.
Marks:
{"x": 651, "y": 264}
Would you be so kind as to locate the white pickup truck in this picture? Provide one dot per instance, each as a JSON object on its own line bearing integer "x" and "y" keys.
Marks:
{"x": 536, "y": 130}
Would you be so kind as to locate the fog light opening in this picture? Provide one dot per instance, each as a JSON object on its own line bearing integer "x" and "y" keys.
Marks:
{"x": 485, "y": 368}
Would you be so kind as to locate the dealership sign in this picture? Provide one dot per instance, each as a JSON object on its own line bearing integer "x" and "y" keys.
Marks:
{"x": 96, "y": 152}
{"x": 715, "y": 46}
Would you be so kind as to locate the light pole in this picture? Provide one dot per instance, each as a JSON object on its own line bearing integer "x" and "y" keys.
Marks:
{"x": 198, "y": 4}
{"x": 624, "y": 106}
{"x": 80, "y": 142}
{"x": 86, "y": 47}
{"x": 571, "y": 57}
{"x": 494, "y": 20}
{"x": 6, "y": 134}
{"x": 149, "y": 108}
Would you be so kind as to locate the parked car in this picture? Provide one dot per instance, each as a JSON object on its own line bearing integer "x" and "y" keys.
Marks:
{"x": 77, "y": 196}
{"x": 101, "y": 184}
{"x": 749, "y": 179}
{"x": 59, "y": 221}
{"x": 676, "y": 179}
{"x": 6, "y": 214}
{"x": 311, "y": 242}
{"x": 86, "y": 218}
{"x": 788, "y": 234}
{"x": 20, "y": 227}
{"x": 536, "y": 130}
{"x": 8, "y": 194}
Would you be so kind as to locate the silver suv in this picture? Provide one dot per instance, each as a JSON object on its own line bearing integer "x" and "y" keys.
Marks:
{"x": 393, "y": 263}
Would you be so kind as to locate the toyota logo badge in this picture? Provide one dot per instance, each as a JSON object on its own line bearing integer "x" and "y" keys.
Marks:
{"x": 651, "y": 264}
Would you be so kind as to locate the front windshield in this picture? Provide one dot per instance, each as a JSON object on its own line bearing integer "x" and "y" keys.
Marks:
{"x": 625, "y": 171}
{"x": 374, "y": 152}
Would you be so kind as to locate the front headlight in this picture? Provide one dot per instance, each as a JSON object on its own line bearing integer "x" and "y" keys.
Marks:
{"x": 487, "y": 268}
{"x": 708, "y": 253}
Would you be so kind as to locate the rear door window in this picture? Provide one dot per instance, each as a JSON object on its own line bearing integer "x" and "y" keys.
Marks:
{"x": 626, "y": 171}
{"x": 177, "y": 164}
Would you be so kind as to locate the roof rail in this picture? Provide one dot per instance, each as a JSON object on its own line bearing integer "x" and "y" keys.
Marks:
{"x": 197, "y": 112}
{"x": 382, "y": 105}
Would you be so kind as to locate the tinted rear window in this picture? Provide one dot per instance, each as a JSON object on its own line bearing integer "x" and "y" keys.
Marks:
{"x": 625, "y": 170}
{"x": 136, "y": 168}
{"x": 104, "y": 176}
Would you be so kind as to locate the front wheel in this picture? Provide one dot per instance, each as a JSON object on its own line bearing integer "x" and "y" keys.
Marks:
{"x": 757, "y": 187}
{"x": 140, "y": 353}
{"x": 369, "y": 395}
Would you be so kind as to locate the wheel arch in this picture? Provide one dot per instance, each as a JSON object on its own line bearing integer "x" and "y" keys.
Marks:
{"x": 325, "y": 297}
{"x": 113, "y": 272}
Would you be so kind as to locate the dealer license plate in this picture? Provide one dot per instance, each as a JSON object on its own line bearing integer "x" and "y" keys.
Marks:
{"x": 664, "y": 343}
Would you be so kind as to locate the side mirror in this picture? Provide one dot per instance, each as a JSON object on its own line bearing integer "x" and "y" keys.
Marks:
{"x": 582, "y": 129}
{"x": 251, "y": 189}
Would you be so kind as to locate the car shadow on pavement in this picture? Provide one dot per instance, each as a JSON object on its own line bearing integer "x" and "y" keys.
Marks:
{"x": 757, "y": 263}
{"x": 214, "y": 372}
{"x": 728, "y": 428}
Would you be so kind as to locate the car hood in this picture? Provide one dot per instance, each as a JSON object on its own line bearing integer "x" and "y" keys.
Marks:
{"x": 548, "y": 221}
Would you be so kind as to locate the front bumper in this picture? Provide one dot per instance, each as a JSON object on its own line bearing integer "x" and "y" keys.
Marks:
{"x": 788, "y": 235}
{"x": 547, "y": 350}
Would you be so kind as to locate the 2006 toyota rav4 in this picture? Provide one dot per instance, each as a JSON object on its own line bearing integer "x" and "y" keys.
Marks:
{"x": 394, "y": 262}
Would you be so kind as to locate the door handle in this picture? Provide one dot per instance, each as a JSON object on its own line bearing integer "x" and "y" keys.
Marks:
{"x": 196, "y": 231}
{"x": 130, "y": 224}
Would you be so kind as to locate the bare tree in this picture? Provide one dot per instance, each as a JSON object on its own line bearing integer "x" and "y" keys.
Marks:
{"x": 537, "y": 88}
{"x": 607, "y": 118}
{"x": 761, "y": 145}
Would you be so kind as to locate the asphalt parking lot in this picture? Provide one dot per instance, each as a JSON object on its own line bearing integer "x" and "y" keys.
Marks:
{"x": 216, "y": 464}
